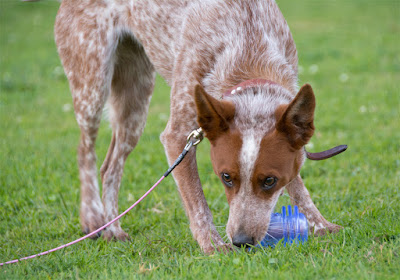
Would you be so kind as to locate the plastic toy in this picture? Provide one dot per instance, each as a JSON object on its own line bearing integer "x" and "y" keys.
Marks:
{"x": 290, "y": 226}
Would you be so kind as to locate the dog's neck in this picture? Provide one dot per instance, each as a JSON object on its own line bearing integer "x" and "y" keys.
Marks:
{"x": 232, "y": 68}
{"x": 240, "y": 88}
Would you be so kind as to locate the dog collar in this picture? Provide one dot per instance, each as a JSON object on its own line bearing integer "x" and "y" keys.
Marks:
{"x": 247, "y": 84}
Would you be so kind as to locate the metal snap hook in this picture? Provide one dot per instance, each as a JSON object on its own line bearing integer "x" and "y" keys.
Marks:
{"x": 196, "y": 136}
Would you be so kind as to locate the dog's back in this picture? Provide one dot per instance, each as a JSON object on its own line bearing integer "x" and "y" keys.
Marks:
{"x": 225, "y": 39}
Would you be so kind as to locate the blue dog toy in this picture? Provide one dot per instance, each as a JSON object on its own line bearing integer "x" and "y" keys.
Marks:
{"x": 291, "y": 227}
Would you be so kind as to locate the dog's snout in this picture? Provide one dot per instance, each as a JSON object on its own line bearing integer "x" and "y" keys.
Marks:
{"x": 242, "y": 239}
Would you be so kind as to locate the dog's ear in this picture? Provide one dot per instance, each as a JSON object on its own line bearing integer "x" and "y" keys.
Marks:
{"x": 213, "y": 116}
{"x": 297, "y": 121}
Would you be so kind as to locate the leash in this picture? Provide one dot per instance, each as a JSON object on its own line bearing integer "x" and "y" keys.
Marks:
{"x": 194, "y": 138}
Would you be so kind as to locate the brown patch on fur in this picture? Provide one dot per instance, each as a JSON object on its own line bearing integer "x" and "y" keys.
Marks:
{"x": 213, "y": 116}
{"x": 297, "y": 122}
{"x": 225, "y": 158}
{"x": 276, "y": 158}
{"x": 280, "y": 110}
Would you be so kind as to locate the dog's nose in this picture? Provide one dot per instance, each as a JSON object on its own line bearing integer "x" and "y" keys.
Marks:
{"x": 242, "y": 239}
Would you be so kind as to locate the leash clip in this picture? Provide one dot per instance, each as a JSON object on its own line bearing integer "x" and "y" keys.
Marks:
{"x": 196, "y": 136}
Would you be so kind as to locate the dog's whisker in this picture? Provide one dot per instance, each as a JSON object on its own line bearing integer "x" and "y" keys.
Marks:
{"x": 288, "y": 195}
{"x": 225, "y": 238}
{"x": 271, "y": 236}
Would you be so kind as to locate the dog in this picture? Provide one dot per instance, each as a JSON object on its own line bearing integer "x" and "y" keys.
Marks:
{"x": 232, "y": 68}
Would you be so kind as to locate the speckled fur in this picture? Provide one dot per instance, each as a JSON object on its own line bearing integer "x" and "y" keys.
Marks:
{"x": 110, "y": 50}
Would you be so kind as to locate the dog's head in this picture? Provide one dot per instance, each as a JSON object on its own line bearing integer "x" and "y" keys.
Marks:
{"x": 257, "y": 139}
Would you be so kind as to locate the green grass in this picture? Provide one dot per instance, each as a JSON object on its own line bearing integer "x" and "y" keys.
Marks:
{"x": 349, "y": 52}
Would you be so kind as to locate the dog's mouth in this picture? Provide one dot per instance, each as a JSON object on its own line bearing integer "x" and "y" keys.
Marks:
{"x": 243, "y": 238}
{"x": 248, "y": 228}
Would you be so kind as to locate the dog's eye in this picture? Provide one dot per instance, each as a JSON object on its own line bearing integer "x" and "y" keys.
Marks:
{"x": 269, "y": 182}
{"x": 226, "y": 178}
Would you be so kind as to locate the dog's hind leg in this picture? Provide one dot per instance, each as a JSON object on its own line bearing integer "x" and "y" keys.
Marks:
{"x": 131, "y": 89}
{"x": 91, "y": 210}
{"x": 300, "y": 196}
{"x": 87, "y": 57}
{"x": 88, "y": 97}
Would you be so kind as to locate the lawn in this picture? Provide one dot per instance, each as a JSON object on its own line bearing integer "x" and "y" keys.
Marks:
{"x": 350, "y": 53}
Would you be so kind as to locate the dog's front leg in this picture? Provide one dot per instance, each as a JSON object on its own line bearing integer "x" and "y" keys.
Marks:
{"x": 181, "y": 123}
{"x": 300, "y": 196}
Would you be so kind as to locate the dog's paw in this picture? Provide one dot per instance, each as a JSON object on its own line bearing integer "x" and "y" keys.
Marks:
{"x": 322, "y": 229}
{"x": 90, "y": 225}
{"x": 224, "y": 249}
{"x": 112, "y": 234}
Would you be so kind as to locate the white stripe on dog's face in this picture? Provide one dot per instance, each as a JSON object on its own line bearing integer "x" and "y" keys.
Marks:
{"x": 248, "y": 156}
{"x": 254, "y": 118}
{"x": 250, "y": 211}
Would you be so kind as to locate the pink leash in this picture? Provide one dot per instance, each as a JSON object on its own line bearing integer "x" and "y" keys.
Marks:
{"x": 90, "y": 234}
{"x": 197, "y": 136}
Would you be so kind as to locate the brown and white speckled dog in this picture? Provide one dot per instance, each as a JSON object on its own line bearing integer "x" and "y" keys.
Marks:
{"x": 110, "y": 50}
